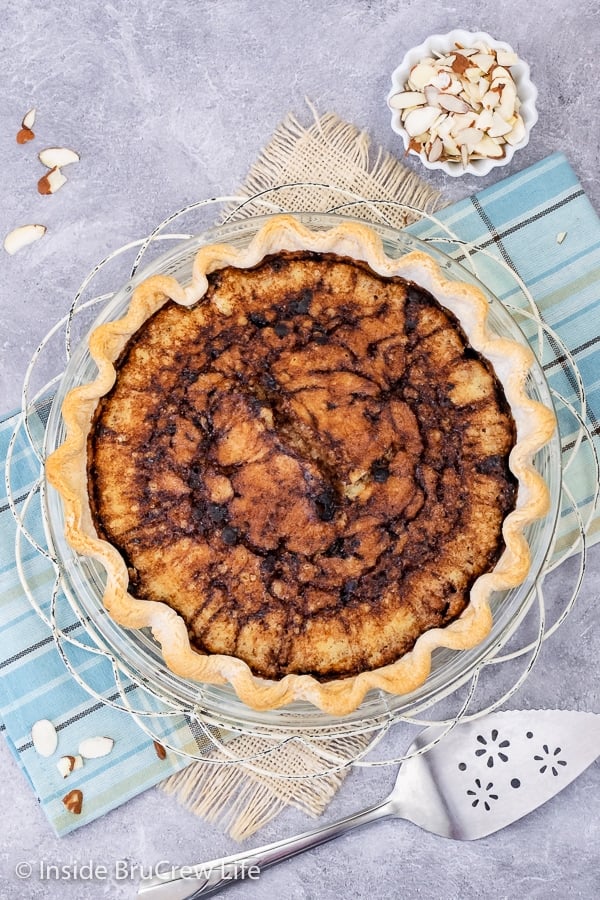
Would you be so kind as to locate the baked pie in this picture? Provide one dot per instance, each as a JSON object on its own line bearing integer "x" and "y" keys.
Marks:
{"x": 305, "y": 470}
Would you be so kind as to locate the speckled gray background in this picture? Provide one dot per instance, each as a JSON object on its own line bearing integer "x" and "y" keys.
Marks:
{"x": 171, "y": 102}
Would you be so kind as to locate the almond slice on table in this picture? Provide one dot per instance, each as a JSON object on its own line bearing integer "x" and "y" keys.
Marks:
{"x": 44, "y": 737}
{"x": 52, "y": 157}
{"x": 68, "y": 764}
{"x": 29, "y": 118}
{"x": 52, "y": 182}
{"x": 26, "y": 132}
{"x": 20, "y": 237}
{"x": 74, "y": 801}
{"x": 95, "y": 747}
{"x": 160, "y": 750}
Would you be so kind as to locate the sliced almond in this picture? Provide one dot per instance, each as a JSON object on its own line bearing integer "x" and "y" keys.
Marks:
{"x": 488, "y": 148}
{"x": 455, "y": 86}
{"x": 506, "y": 57}
{"x": 44, "y": 736}
{"x": 484, "y": 61}
{"x": 52, "y": 182}
{"x": 452, "y": 103}
{"x": 490, "y": 99}
{"x": 29, "y": 118}
{"x": 461, "y": 121}
{"x": 431, "y": 95}
{"x": 470, "y": 137}
{"x": 560, "y": 237}
{"x": 451, "y": 148}
{"x": 442, "y": 80}
{"x": 66, "y": 764}
{"x": 19, "y": 237}
{"x": 499, "y": 126}
{"x": 95, "y": 747}
{"x": 160, "y": 750}
{"x": 406, "y": 100}
{"x": 436, "y": 149}
{"x": 499, "y": 73}
{"x": 516, "y": 135}
{"x": 57, "y": 156}
{"x": 443, "y": 126}
{"x": 26, "y": 132}
{"x": 506, "y": 107}
{"x": 472, "y": 95}
{"x": 74, "y": 801}
{"x": 24, "y": 135}
{"x": 473, "y": 75}
{"x": 421, "y": 74}
{"x": 420, "y": 120}
{"x": 484, "y": 119}
{"x": 461, "y": 63}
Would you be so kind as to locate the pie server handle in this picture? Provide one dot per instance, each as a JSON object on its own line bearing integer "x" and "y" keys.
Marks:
{"x": 199, "y": 881}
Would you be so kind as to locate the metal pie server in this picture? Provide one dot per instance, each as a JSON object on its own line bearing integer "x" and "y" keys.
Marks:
{"x": 480, "y": 777}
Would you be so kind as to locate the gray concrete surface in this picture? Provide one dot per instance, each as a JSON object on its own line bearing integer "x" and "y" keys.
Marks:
{"x": 169, "y": 102}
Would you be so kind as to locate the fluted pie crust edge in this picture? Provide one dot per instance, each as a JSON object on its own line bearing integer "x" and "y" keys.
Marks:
{"x": 66, "y": 469}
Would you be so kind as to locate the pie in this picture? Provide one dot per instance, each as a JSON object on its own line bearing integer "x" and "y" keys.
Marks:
{"x": 306, "y": 469}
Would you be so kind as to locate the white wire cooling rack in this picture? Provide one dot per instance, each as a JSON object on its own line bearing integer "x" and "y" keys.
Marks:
{"x": 335, "y": 746}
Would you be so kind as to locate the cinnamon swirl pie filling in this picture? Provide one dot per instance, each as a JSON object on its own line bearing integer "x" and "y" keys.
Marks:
{"x": 310, "y": 465}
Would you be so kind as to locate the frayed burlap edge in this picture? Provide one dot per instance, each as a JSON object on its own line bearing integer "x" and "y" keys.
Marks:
{"x": 241, "y": 799}
{"x": 331, "y": 152}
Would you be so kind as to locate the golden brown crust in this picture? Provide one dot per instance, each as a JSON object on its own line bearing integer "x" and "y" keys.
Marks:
{"x": 239, "y": 494}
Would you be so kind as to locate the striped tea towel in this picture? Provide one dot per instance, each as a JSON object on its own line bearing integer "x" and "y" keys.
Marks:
{"x": 35, "y": 684}
{"x": 537, "y": 233}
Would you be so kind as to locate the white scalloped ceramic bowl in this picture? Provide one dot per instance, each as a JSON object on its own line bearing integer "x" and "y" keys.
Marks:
{"x": 444, "y": 43}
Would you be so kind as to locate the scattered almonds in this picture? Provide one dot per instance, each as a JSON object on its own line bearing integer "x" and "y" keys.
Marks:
{"x": 68, "y": 764}
{"x": 44, "y": 737}
{"x": 52, "y": 182}
{"x": 57, "y": 156}
{"x": 26, "y": 133}
{"x": 461, "y": 105}
{"x": 95, "y": 747}
{"x": 73, "y": 801}
{"x": 19, "y": 237}
{"x": 160, "y": 750}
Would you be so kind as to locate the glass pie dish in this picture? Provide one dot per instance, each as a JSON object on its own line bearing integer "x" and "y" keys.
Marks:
{"x": 139, "y": 654}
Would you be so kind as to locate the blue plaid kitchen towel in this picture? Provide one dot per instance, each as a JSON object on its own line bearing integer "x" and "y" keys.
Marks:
{"x": 35, "y": 683}
{"x": 536, "y": 225}
{"x": 537, "y": 233}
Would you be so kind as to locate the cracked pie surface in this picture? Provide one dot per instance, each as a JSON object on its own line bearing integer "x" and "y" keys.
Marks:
{"x": 306, "y": 469}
